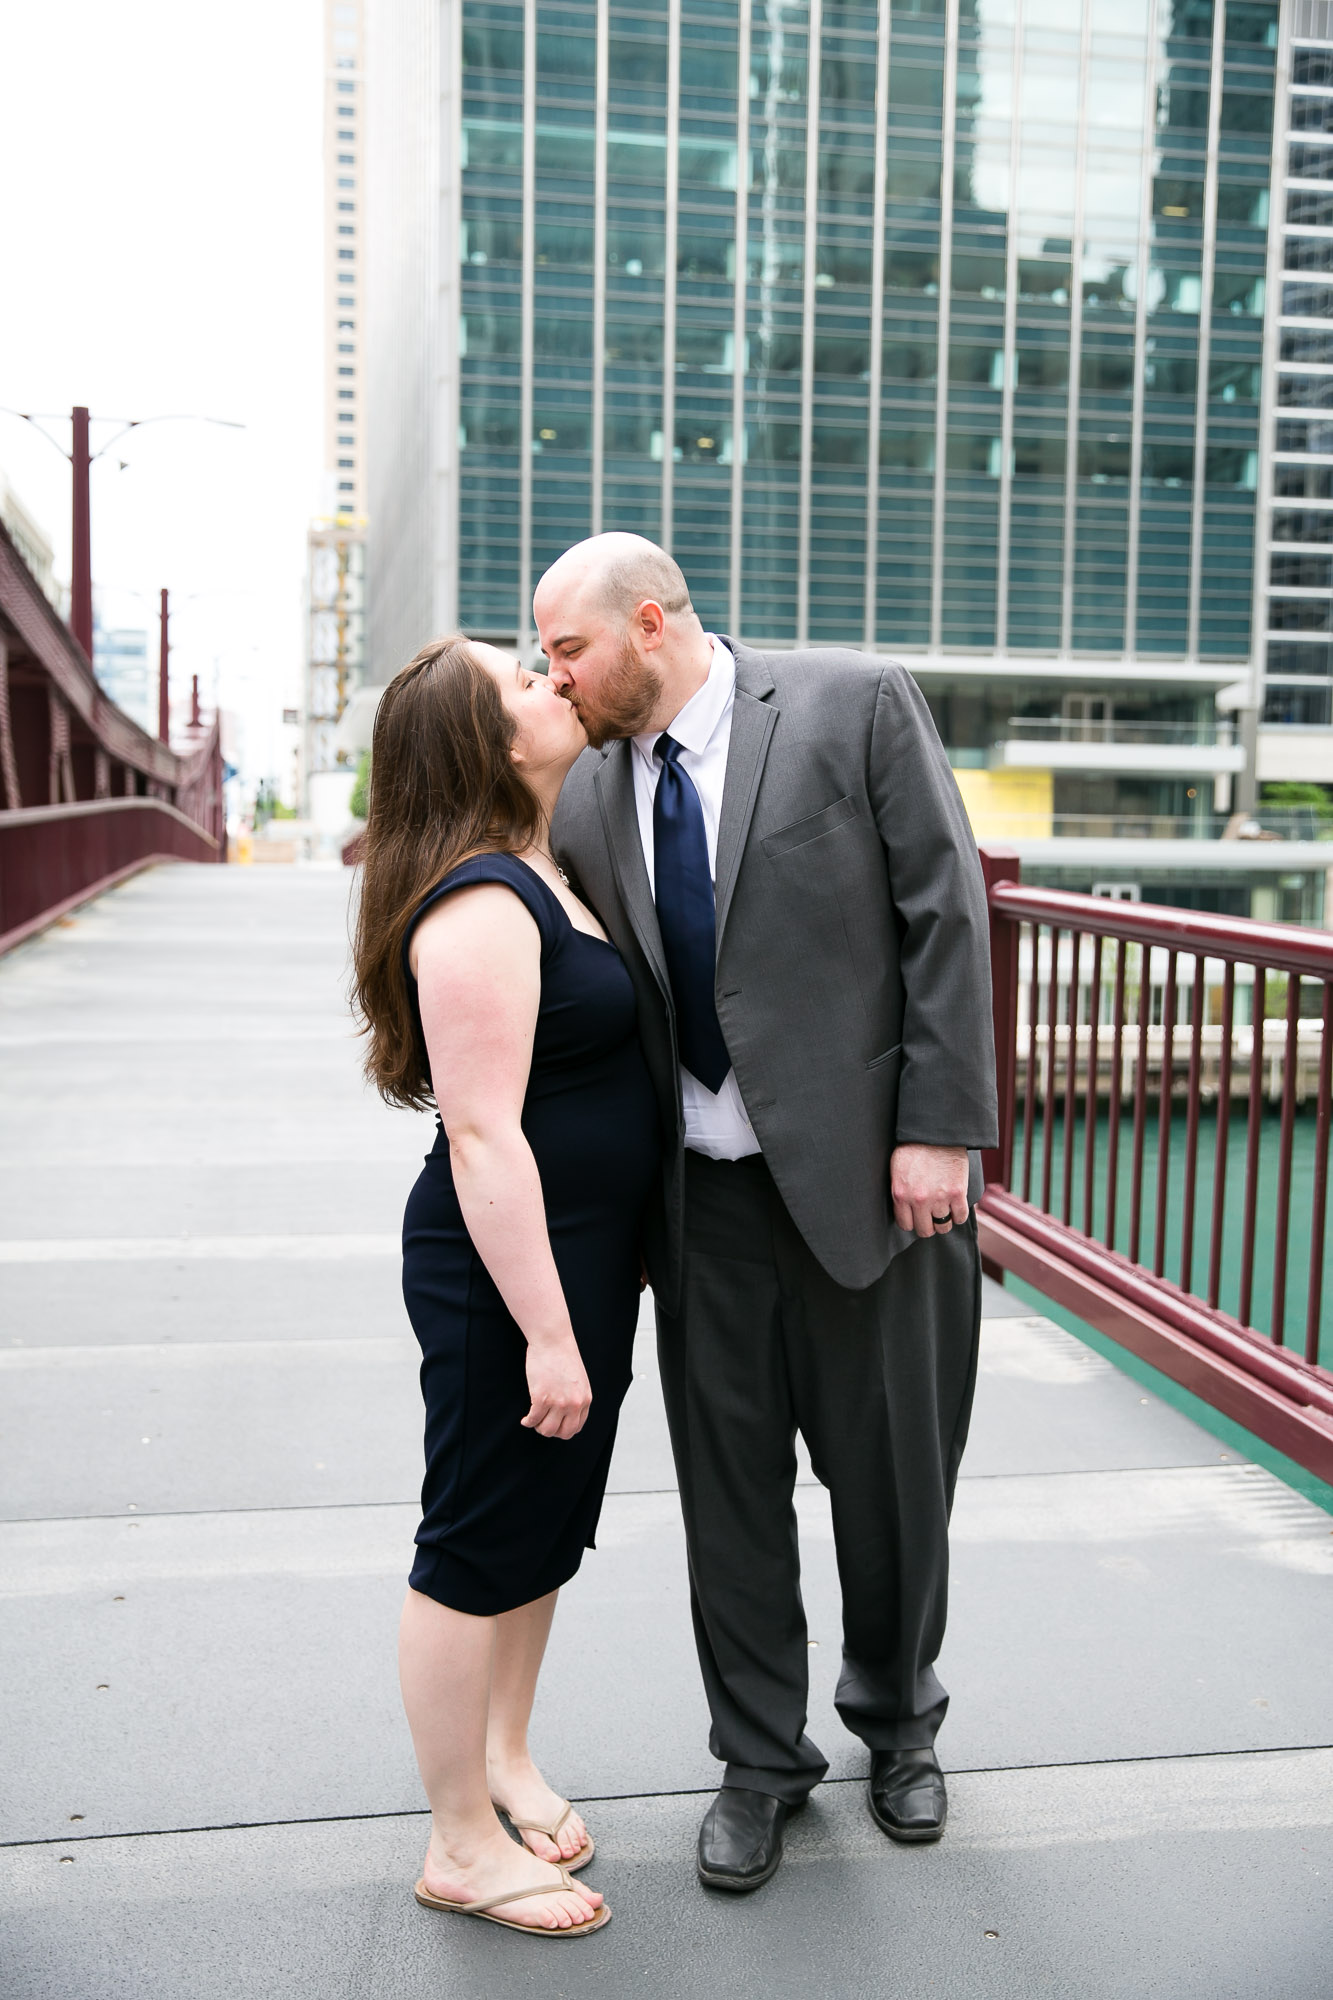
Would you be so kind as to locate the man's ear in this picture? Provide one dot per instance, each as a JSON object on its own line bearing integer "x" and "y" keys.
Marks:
{"x": 652, "y": 625}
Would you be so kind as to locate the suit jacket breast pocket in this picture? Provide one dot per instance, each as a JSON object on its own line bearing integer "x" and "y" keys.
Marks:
{"x": 814, "y": 826}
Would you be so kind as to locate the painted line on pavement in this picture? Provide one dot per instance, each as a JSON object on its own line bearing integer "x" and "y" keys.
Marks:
{"x": 195, "y": 1249}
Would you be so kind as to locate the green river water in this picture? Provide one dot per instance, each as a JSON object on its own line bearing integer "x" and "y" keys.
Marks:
{"x": 1298, "y": 1246}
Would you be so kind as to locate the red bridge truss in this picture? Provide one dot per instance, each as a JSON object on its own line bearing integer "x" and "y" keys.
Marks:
{"x": 86, "y": 796}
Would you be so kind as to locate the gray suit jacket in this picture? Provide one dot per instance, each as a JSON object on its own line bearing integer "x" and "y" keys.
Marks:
{"x": 853, "y": 966}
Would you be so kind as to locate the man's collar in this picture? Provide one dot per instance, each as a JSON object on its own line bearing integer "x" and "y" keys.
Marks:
{"x": 752, "y": 672}
{"x": 694, "y": 726}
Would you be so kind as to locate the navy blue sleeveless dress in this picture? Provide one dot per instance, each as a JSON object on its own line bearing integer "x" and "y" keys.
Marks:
{"x": 507, "y": 1514}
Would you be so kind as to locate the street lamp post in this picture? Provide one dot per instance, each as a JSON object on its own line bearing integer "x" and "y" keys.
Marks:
{"x": 81, "y": 457}
{"x": 164, "y": 679}
{"x": 81, "y": 589}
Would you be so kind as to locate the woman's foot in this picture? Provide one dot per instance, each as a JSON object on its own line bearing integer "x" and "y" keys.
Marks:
{"x": 522, "y": 1792}
{"x": 497, "y": 1865}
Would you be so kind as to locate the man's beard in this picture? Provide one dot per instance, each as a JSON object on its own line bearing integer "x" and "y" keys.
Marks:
{"x": 626, "y": 700}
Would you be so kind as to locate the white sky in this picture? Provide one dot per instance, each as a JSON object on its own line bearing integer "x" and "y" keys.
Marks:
{"x": 162, "y": 251}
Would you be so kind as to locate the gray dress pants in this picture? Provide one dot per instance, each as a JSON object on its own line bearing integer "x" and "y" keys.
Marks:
{"x": 879, "y": 1384}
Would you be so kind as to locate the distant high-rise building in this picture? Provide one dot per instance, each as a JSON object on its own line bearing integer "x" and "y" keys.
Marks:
{"x": 335, "y": 563}
{"x": 1296, "y": 741}
{"x": 335, "y": 589}
{"x": 344, "y": 258}
{"x": 935, "y": 327}
{"x": 120, "y": 661}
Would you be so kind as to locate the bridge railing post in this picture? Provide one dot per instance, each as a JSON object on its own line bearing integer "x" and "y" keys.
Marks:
{"x": 999, "y": 864}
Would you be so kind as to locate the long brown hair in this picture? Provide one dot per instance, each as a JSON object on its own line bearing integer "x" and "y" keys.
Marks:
{"x": 443, "y": 787}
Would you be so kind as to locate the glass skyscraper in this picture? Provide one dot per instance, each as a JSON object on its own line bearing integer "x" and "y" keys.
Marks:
{"x": 120, "y": 661}
{"x": 936, "y": 327}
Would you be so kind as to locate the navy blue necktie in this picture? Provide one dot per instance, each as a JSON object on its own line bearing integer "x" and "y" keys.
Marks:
{"x": 684, "y": 884}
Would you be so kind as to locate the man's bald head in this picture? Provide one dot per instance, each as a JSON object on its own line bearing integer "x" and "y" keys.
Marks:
{"x": 616, "y": 624}
{"x": 614, "y": 574}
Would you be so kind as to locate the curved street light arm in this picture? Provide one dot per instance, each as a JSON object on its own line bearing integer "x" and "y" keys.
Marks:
{"x": 173, "y": 417}
{"x": 27, "y": 417}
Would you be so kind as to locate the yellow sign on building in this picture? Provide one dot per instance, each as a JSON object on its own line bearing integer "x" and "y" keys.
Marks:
{"x": 1008, "y": 805}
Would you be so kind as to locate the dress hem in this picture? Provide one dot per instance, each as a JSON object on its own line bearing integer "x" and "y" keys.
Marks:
{"x": 434, "y": 1575}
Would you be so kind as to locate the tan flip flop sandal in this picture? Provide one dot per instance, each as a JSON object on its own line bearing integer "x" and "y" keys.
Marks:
{"x": 575, "y": 1861}
{"x": 487, "y": 1909}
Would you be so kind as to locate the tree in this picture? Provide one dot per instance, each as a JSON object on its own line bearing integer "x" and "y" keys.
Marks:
{"x": 360, "y": 799}
{"x": 1298, "y": 792}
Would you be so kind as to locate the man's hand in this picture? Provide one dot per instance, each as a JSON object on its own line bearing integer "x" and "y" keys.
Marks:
{"x": 929, "y": 1188}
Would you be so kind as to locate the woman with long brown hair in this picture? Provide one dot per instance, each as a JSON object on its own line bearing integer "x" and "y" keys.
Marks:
{"x": 487, "y": 988}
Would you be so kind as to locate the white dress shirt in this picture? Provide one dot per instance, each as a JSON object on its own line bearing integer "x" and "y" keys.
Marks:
{"x": 714, "y": 1124}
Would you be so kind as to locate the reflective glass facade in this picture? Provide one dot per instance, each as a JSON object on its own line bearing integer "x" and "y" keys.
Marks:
{"x": 931, "y": 326}
{"x": 120, "y": 661}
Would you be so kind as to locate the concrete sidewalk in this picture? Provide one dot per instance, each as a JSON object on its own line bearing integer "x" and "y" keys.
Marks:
{"x": 209, "y": 1457}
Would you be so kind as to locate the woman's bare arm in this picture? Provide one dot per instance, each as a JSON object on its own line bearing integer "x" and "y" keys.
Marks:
{"x": 477, "y": 960}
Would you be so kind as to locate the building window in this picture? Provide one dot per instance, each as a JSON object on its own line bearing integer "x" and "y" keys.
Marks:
{"x": 1299, "y": 659}
{"x": 1304, "y": 434}
{"x": 1311, "y": 392}
{"x": 1299, "y": 343}
{"x": 346, "y": 395}
{"x": 347, "y": 139}
{"x": 1302, "y": 708}
{"x": 346, "y": 442}
{"x": 346, "y": 159}
{"x": 1311, "y": 114}
{"x": 346, "y": 486}
{"x": 346, "y": 347}
{"x": 347, "y": 371}
{"x": 344, "y": 277}
{"x": 347, "y": 253}
{"x": 346, "y": 228}
{"x": 346, "y": 465}
{"x": 346, "y": 180}
{"x": 1304, "y": 527}
{"x": 1298, "y": 614}
{"x": 1301, "y": 572}
{"x": 1312, "y": 66}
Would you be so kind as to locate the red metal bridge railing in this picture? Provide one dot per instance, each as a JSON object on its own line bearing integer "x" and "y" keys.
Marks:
{"x": 1121, "y": 1029}
{"x": 53, "y": 858}
{"x": 86, "y": 795}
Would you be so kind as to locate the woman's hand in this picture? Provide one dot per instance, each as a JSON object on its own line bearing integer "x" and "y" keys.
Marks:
{"x": 560, "y": 1390}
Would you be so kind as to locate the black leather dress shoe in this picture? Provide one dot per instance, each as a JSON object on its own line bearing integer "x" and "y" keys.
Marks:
{"x": 907, "y": 1796}
{"x": 740, "y": 1841}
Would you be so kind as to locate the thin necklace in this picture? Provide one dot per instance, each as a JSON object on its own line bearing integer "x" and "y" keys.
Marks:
{"x": 556, "y": 865}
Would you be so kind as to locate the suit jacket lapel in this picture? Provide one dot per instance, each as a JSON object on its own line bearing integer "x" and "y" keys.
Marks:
{"x": 752, "y": 721}
{"x": 620, "y": 820}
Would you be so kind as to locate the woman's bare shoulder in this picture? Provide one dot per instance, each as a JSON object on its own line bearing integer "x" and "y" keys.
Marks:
{"x": 475, "y": 924}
